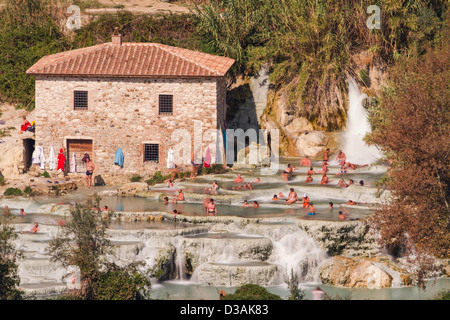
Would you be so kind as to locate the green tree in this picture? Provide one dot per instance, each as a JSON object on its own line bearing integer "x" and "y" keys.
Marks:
{"x": 83, "y": 243}
{"x": 9, "y": 279}
{"x": 251, "y": 292}
{"x": 295, "y": 292}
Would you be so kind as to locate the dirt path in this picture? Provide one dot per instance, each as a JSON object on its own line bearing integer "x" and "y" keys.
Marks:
{"x": 144, "y": 6}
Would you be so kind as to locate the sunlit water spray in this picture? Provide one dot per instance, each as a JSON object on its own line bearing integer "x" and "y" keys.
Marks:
{"x": 354, "y": 146}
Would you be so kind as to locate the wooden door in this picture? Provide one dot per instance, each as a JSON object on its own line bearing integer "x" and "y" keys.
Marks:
{"x": 79, "y": 147}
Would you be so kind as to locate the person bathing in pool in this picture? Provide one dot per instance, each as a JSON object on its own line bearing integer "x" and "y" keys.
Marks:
{"x": 212, "y": 210}
{"x": 311, "y": 210}
{"x": 292, "y": 197}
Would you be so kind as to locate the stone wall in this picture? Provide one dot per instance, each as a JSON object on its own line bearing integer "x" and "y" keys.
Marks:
{"x": 123, "y": 112}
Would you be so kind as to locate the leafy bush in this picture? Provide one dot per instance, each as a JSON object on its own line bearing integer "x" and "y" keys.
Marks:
{"x": 157, "y": 178}
{"x": 13, "y": 192}
{"x": 251, "y": 292}
{"x": 45, "y": 174}
{"x": 135, "y": 178}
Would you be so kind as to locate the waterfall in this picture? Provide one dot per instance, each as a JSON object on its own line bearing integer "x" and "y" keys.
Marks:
{"x": 354, "y": 147}
{"x": 298, "y": 252}
{"x": 179, "y": 261}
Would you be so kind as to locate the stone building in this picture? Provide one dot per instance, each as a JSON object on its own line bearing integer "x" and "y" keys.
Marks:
{"x": 131, "y": 96}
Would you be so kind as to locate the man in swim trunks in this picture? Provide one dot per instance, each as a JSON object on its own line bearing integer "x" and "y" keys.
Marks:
{"x": 310, "y": 171}
{"x": 292, "y": 197}
{"x": 89, "y": 172}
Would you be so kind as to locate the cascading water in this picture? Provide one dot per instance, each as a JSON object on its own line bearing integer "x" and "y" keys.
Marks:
{"x": 354, "y": 147}
{"x": 299, "y": 253}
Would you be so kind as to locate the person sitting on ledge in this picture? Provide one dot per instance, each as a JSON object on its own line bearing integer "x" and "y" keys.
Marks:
{"x": 325, "y": 179}
{"x": 34, "y": 229}
{"x": 180, "y": 196}
{"x": 310, "y": 171}
{"x": 352, "y": 203}
{"x": 25, "y": 125}
{"x": 342, "y": 183}
{"x": 238, "y": 179}
{"x": 292, "y": 197}
{"x": 309, "y": 179}
{"x": 305, "y": 200}
{"x": 341, "y": 157}
{"x": 275, "y": 198}
{"x": 324, "y": 167}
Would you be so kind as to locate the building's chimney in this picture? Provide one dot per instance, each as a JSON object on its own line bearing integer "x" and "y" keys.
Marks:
{"x": 117, "y": 37}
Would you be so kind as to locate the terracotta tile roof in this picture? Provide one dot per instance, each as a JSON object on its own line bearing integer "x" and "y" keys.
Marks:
{"x": 132, "y": 60}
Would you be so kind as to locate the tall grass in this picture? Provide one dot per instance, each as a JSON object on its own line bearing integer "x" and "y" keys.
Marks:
{"x": 309, "y": 43}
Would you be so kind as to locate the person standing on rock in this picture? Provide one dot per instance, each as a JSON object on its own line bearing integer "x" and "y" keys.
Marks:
{"x": 61, "y": 161}
{"x": 89, "y": 172}
{"x": 325, "y": 155}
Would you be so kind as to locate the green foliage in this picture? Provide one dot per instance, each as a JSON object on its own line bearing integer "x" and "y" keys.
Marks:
{"x": 29, "y": 30}
{"x": 157, "y": 178}
{"x": 442, "y": 295}
{"x": 295, "y": 292}
{"x": 28, "y": 191}
{"x": 251, "y": 292}
{"x": 9, "y": 279}
{"x": 83, "y": 242}
{"x": 13, "y": 192}
{"x": 123, "y": 283}
{"x": 135, "y": 178}
{"x": 45, "y": 174}
{"x": 2, "y": 180}
{"x": 309, "y": 43}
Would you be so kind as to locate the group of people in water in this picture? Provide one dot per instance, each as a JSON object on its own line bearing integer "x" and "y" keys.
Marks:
{"x": 210, "y": 209}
